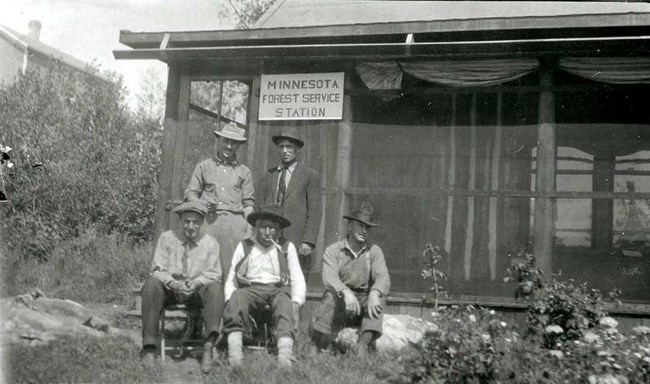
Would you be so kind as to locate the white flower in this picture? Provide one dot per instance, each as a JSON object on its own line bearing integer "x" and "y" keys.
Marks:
{"x": 486, "y": 338}
{"x": 492, "y": 312}
{"x": 10, "y": 165}
{"x": 472, "y": 318}
{"x": 508, "y": 340}
{"x": 608, "y": 322}
{"x": 553, "y": 329}
{"x": 641, "y": 330}
{"x": 591, "y": 337}
{"x": 556, "y": 353}
{"x": 504, "y": 324}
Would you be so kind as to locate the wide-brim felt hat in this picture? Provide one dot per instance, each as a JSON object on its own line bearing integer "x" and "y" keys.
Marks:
{"x": 232, "y": 132}
{"x": 269, "y": 212}
{"x": 363, "y": 214}
{"x": 288, "y": 133}
{"x": 191, "y": 206}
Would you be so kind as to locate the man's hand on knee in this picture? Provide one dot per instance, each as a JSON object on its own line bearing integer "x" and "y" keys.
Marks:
{"x": 374, "y": 304}
{"x": 351, "y": 302}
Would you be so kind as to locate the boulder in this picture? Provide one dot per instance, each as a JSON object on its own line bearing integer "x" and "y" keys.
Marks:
{"x": 399, "y": 331}
{"x": 35, "y": 319}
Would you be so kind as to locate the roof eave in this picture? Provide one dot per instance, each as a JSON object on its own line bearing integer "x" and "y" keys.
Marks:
{"x": 626, "y": 45}
{"x": 207, "y": 38}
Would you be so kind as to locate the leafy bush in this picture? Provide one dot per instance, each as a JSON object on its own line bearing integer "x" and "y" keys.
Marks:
{"x": 466, "y": 348}
{"x": 99, "y": 162}
{"x": 574, "y": 308}
{"x": 477, "y": 346}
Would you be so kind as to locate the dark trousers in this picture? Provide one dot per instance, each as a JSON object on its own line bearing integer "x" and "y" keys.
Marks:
{"x": 156, "y": 296}
{"x": 255, "y": 298}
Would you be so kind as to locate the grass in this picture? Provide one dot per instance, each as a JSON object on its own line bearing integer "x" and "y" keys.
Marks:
{"x": 77, "y": 360}
{"x": 91, "y": 268}
{"x": 116, "y": 360}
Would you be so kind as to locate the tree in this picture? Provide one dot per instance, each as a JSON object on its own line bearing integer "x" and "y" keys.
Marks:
{"x": 245, "y": 12}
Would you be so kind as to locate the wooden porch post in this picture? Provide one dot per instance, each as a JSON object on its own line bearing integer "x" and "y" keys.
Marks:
{"x": 171, "y": 126}
{"x": 602, "y": 217}
{"x": 545, "y": 177}
{"x": 343, "y": 158}
{"x": 253, "y": 127}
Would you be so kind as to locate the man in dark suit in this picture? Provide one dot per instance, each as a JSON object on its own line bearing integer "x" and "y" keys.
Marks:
{"x": 296, "y": 188}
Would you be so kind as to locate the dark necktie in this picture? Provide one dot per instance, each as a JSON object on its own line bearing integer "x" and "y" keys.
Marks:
{"x": 186, "y": 256}
{"x": 282, "y": 186}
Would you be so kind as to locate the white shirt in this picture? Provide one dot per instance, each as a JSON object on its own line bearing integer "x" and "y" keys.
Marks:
{"x": 264, "y": 268}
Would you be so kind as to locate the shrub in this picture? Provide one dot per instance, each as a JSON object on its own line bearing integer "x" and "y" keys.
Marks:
{"x": 97, "y": 162}
{"x": 573, "y": 307}
{"x": 466, "y": 348}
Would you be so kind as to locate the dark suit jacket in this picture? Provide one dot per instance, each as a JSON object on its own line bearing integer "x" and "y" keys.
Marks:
{"x": 302, "y": 202}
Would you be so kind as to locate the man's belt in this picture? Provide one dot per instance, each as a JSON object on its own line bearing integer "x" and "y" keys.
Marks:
{"x": 276, "y": 285}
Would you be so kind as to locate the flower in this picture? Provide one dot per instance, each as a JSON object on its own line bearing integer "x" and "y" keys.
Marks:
{"x": 556, "y": 353}
{"x": 504, "y": 324}
{"x": 486, "y": 338}
{"x": 553, "y": 329}
{"x": 472, "y": 318}
{"x": 641, "y": 330}
{"x": 608, "y": 322}
{"x": 591, "y": 337}
{"x": 492, "y": 312}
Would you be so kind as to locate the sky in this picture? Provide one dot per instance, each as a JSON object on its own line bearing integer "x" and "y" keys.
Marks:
{"x": 89, "y": 29}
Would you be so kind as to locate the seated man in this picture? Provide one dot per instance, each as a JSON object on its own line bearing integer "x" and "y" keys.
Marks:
{"x": 356, "y": 282}
{"x": 185, "y": 269}
{"x": 265, "y": 271}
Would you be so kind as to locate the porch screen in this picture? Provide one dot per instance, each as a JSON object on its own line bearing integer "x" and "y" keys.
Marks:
{"x": 448, "y": 169}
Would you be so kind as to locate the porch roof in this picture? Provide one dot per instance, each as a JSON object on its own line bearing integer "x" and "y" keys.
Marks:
{"x": 371, "y": 28}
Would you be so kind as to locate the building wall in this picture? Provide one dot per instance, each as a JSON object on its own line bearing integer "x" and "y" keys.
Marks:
{"x": 11, "y": 61}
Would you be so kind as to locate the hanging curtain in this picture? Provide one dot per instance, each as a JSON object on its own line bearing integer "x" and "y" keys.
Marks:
{"x": 385, "y": 75}
{"x": 616, "y": 70}
{"x": 470, "y": 73}
{"x": 388, "y": 75}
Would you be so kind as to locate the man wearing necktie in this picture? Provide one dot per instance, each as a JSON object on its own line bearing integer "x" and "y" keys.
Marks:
{"x": 185, "y": 270}
{"x": 296, "y": 189}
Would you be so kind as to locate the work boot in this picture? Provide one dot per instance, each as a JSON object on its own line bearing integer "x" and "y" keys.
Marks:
{"x": 285, "y": 351}
{"x": 206, "y": 359}
{"x": 235, "y": 351}
{"x": 361, "y": 350}
{"x": 148, "y": 358}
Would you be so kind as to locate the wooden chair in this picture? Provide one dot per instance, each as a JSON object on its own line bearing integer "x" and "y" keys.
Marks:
{"x": 188, "y": 341}
{"x": 259, "y": 334}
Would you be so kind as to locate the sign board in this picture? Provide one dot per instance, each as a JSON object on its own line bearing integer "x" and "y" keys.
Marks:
{"x": 303, "y": 96}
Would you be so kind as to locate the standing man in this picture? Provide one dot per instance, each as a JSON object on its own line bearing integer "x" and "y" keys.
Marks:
{"x": 265, "y": 272}
{"x": 185, "y": 270}
{"x": 356, "y": 281}
{"x": 296, "y": 188}
{"x": 226, "y": 187}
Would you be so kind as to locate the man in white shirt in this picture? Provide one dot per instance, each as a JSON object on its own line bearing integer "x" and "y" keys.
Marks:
{"x": 265, "y": 271}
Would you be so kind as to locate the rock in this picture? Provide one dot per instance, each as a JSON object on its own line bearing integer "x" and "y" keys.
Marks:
{"x": 34, "y": 319}
{"x": 399, "y": 331}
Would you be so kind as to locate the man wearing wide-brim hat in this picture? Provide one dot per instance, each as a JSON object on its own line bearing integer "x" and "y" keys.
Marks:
{"x": 225, "y": 186}
{"x": 356, "y": 281}
{"x": 185, "y": 270}
{"x": 265, "y": 271}
{"x": 296, "y": 188}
